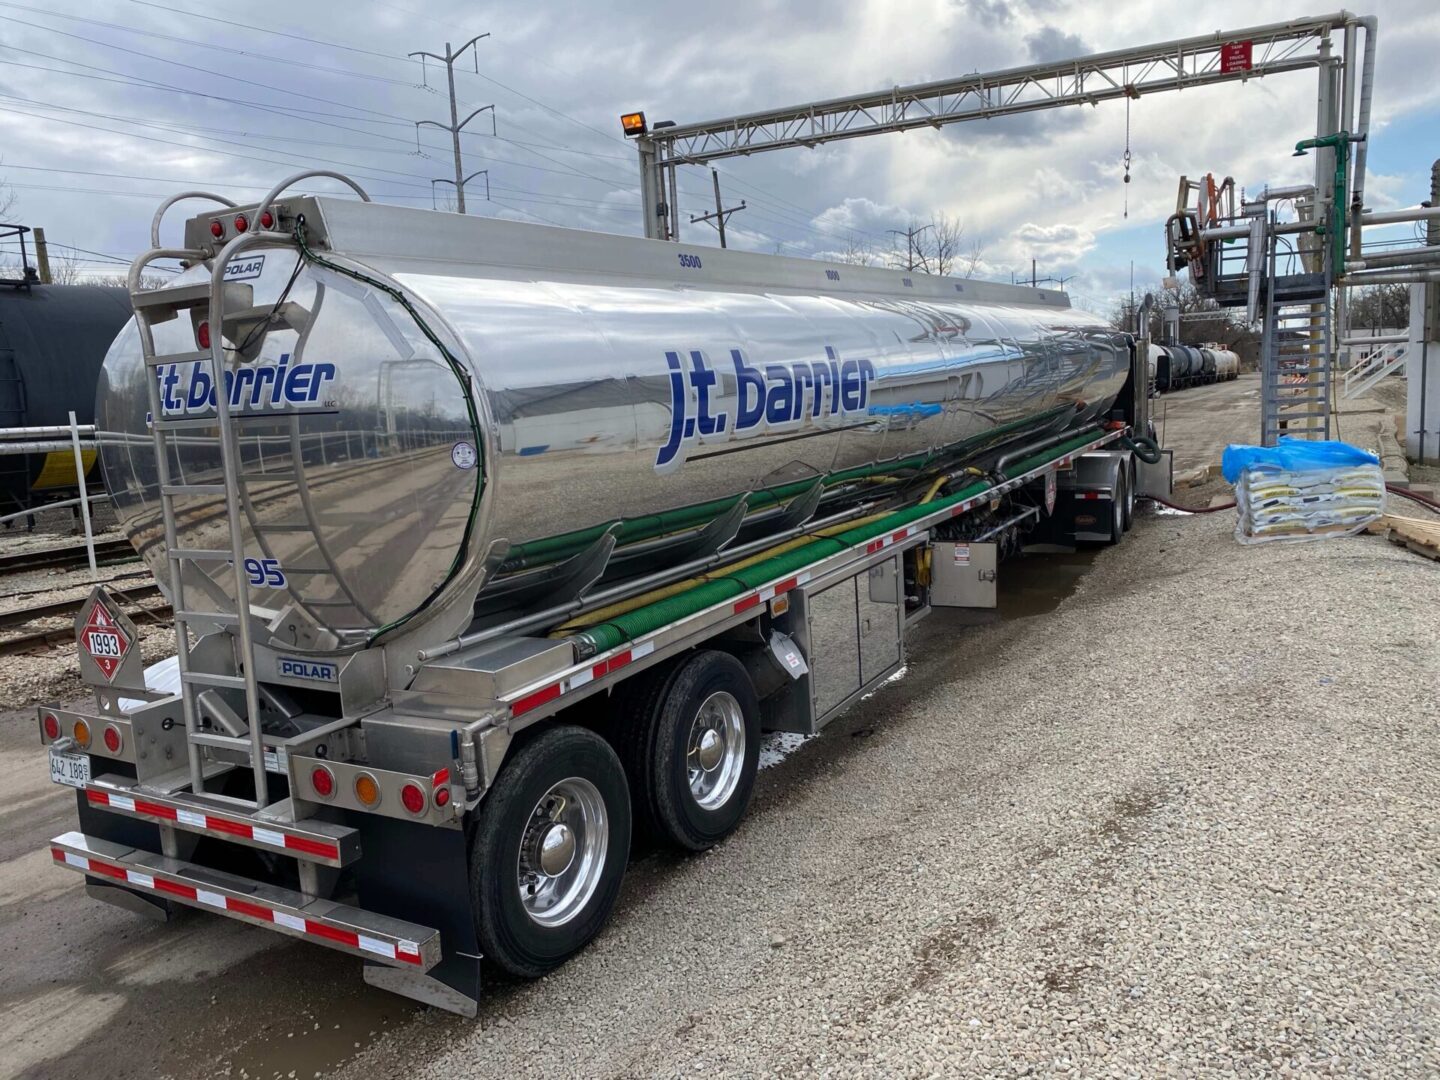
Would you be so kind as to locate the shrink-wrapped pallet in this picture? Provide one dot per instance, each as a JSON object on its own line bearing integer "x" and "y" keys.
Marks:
{"x": 1302, "y": 490}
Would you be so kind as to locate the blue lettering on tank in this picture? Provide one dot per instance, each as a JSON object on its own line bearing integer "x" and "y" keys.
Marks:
{"x": 757, "y": 399}
{"x": 269, "y": 389}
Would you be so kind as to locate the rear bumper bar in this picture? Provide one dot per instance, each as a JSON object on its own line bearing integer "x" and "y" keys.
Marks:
{"x": 379, "y": 938}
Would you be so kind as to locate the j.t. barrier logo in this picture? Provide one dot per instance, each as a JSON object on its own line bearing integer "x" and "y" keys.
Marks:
{"x": 766, "y": 399}
{"x": 278, "y": 388}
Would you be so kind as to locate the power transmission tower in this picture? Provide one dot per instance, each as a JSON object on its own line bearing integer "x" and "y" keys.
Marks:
{"x": 720, "y": 214}
{"x": 913, "y": 255}
{"x": 456, "y": 126}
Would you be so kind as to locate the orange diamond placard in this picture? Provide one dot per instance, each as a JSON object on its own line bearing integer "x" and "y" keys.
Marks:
{"x": 105, "y": 640}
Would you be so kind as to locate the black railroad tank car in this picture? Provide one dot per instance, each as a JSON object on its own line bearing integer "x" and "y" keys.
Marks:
{"x": 53, "y": 340}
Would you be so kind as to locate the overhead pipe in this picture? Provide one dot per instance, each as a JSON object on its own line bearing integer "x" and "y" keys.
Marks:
{"x": 1371, "y": 25}
{"x": 1389, "y": 277}
{"x": 1399, "y": 217}
{"x": 1394, "y": 258}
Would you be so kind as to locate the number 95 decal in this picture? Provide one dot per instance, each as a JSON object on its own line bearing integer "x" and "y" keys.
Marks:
{"x": 265, "y": 572}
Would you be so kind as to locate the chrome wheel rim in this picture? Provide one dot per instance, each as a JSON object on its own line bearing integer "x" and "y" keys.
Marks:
{"x": 715, "y": 750}
{"x": 562, "y": 852}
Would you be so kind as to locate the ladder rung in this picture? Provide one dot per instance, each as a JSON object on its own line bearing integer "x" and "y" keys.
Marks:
{"x": 177, "y": 358}
{"x": 204, "y": 678}
{"x": 180, "y": 423}
{"x": 192, "y": 489}
{"x": 202, "y": 554}
{"x": 174, "y": 298}
{"x": 226, "y": 742}
{"x": 224, "y": 618}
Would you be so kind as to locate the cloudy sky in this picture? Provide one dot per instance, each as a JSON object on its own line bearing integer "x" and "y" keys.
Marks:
{"x": 105, "y": 107}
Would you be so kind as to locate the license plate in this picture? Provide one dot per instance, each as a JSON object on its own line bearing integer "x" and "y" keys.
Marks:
{"x": 73, "y": 770}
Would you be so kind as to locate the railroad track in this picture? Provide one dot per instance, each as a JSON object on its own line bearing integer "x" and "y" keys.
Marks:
{"x": 70, "y": 557}
{"x": 44, "y": 639}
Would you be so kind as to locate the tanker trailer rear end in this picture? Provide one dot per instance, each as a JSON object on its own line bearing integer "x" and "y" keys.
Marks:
{"x": 497, "y": 535}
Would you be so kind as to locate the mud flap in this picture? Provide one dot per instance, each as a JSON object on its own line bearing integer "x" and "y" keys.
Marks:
{"x": 132, "y": 832}
{"x": 422, "y": 874}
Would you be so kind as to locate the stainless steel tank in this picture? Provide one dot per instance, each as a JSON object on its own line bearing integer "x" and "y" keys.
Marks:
{"x": 429, "y": 384}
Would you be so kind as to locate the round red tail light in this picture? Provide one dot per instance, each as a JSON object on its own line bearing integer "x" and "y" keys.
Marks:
{"x": 52, "y": 726}
{"x": 202, "y": 335}
{"x": 442, "y": 796}
{"x": 413, "y": 796}
{"x": 323, "y": 781}
{"x": 267, "y": 220}
{"x": 241, "y": 223}
{"x": 217, "y": 230}
{"x": 112, "y": 738}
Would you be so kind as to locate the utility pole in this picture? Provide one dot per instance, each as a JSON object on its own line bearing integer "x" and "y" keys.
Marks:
{"x": 456, "y": 126}
{"x": 1032, "y": 274}
{"x": 721, "y": 213}
{"x": 912, "y": 249}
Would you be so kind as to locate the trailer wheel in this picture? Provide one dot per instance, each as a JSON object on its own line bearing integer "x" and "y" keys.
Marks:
{"x": 549, "y": 851}
{"x": 691, "y": 747}
{"x": 1127, "y": 472}
{"x": 1119, "y": 496}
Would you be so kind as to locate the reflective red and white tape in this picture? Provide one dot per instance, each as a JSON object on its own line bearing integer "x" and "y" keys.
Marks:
{"x": 597, "y": 670}
{"x": 407, "y": 952}
{"x": 221, "y": 826}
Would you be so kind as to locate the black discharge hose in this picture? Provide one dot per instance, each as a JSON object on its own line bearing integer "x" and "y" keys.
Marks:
{"x": 1393, "y": 489}
{"x": 1143, "y": 447}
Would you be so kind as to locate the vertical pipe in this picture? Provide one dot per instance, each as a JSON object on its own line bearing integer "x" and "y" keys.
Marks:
{"x": 84, "y": 495}
{"x": 674, "y": 202}
{"x": 651, "y": 193}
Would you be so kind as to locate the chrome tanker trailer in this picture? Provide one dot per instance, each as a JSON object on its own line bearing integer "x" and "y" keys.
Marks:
{"x": 490, "y": 542}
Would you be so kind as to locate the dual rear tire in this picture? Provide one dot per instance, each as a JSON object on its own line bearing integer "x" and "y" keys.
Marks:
{"x": 552, "y": 838}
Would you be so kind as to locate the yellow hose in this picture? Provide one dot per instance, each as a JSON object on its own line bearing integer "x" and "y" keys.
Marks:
{"x": 940, "y": 482}
{"x": 590, "y": 618}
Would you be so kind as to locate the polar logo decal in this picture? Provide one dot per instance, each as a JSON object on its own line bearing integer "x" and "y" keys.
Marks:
{"x": 766, "y": 398}
{"x": 314, "y": 671}
{"x": 272, "y": 389}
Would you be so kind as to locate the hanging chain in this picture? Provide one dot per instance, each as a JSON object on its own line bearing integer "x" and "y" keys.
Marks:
{"x": 1127, "y": 156}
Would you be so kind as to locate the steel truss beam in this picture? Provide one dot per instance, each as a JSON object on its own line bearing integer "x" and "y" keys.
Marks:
{"x": 1088, "y": 80}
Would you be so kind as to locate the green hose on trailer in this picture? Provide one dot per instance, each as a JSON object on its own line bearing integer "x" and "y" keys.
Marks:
{"x": 641, "y": 621}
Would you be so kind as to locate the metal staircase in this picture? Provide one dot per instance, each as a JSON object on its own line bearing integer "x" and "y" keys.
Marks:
{"x": 1295, "y": 354}
{"x": 202, "y": 568}
{"x": 1385, "y": 360}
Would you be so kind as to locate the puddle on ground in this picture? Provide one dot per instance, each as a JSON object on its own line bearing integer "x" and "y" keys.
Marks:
{"x": 316, "y": 1043}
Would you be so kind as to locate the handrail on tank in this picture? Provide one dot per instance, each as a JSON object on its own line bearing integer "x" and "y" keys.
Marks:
{"x": 132, "y": 279}
{"x": 171, "y": 201}
{"x": 274, "y": 192}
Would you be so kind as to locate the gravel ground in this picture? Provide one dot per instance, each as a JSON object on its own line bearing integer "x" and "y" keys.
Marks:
{"x": 1204, "y": 845}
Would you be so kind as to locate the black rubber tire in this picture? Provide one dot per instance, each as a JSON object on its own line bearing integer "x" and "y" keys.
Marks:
{"x": 508, "y": 936}
{"x": 1117, "y": 508}
{"x": 654, "y": 724}
{"x": 1127, "y": 471}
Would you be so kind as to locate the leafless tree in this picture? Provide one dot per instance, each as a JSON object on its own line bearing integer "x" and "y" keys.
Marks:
{"x": 952, "y": 252}
{"x": 119, "y": 281}
{"x": 858, "y": 252}
{"x": 1380, "y": 307}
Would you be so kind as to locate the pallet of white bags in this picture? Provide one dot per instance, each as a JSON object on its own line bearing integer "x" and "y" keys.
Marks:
{"x": 1420, "y": 535}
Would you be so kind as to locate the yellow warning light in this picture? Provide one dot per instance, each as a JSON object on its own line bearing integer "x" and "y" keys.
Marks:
{"x": 633, "y": 123}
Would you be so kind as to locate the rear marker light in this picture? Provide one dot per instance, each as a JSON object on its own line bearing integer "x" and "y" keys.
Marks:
{"x": 112, "y": 738}
{"x": 81, "y": 731}
{"x": 442, "y": 796}
{"x": 267, "y": 220}
{"x": 52, "y": 726}
{"x": 367, "y": 790}
{"x": 241, "y": 223}
{"x": 202, "y": 335}
{"x": 323, "y": 781}
{"x": 217, "y": 230}
{"x": 413, "y": 798}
